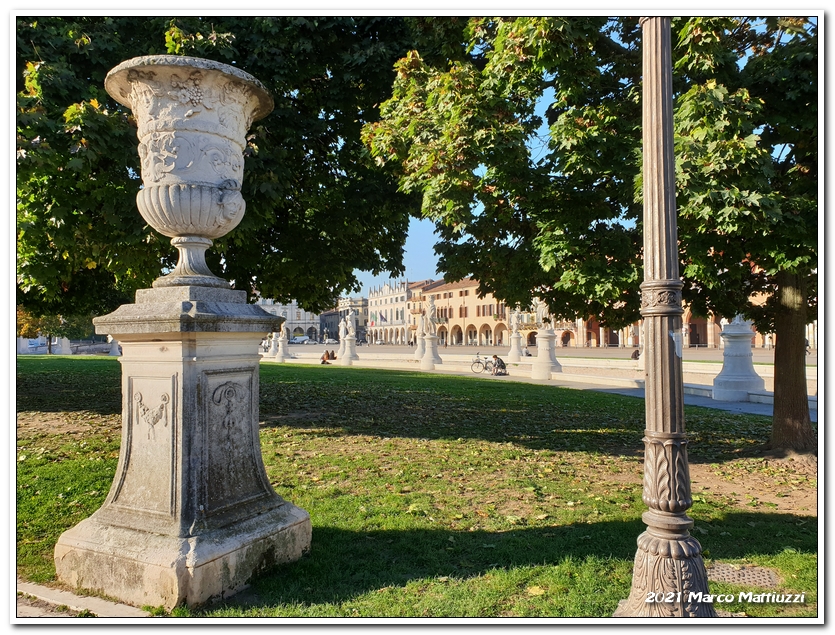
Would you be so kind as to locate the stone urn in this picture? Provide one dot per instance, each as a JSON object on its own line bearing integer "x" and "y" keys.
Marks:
{"x": 191, "y": 514}
{"x": 192, "y": 116}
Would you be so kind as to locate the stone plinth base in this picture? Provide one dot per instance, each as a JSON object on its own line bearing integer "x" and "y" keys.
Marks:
{"x": 144, "y": 568}
{"x": 282, "y": 353}
{"x": 737, "y": 377}
{"x": 63, "y": 347}
{"x": 515, "y": 354}
{"x": 546, "y": 359}
{"x": 350, "y": 352}
{"x": 430, "y": 358}
{"x": 728, "y": 389}
{"x": 420, "y": 349}
{"x": 191, "y": 513}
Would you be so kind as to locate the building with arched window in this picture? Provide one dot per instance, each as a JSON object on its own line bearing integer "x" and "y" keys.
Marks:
{"x": 298, "y": 321}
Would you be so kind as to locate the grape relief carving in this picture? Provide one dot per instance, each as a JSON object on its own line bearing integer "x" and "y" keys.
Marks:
{"x": 188, "y": 91}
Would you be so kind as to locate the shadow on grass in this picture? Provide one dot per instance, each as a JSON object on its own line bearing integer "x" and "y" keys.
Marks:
{"x": 345, "y": 564}
{"x": 416, "y": 405}
{"x": 67, "y": 384}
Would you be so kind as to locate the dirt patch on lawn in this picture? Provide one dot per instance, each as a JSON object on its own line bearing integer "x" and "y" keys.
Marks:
{"x": 785, "y": 485}
{"x": 33, "y": 424}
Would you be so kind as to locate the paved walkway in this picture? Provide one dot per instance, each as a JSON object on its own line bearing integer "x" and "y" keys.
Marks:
{"x": 766, "y": 410}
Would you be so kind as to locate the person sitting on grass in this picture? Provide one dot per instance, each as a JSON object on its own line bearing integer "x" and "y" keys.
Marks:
{"x": 325, "y": 357}
{"x": 499, "y": 367}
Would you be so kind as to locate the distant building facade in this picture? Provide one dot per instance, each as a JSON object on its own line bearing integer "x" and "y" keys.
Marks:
{"x": 299, "y": 321}
{"x": 329, "y": 324}
{"x": 359, "y": 306}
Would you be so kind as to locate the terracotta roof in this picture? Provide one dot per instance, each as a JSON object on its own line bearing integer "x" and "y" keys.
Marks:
{"x": 420, "y": 284}
{"x": 448, "y": 286}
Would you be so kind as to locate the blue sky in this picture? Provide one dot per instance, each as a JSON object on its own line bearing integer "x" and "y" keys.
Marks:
{"x": 419, "y": 258}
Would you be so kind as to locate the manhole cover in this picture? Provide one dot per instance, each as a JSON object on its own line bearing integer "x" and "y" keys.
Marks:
{"x": 746, "y": 575}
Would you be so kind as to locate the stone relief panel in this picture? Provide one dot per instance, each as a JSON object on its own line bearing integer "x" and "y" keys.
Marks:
{"x": 232, "y": 447}
{"x": 148, "y": 479}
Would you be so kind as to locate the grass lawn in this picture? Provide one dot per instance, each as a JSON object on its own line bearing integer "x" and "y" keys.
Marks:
{"x": 437, "y": 495}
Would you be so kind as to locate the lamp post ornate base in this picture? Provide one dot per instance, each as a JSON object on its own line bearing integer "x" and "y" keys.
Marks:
{"x": 669, "y": 566}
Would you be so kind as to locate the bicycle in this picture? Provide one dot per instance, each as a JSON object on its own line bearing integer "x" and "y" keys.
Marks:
{"x": 481, "y": 364}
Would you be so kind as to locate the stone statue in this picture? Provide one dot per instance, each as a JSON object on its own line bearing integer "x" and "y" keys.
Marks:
{"x": 343, "y": 329}
{"x": 431, "y": 317}
{"x": 541, "y": 310}
{"x": 349, "y": 322}
{"x": 514, "y": 321}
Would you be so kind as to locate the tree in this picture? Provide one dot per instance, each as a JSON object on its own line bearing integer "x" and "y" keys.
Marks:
{"x": 73, "y": 326}
{"x": 564, "y": 222}
{"x": 317, "y": 206}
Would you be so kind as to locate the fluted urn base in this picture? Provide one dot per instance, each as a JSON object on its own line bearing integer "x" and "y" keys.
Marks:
{"x": 191, "y": 270}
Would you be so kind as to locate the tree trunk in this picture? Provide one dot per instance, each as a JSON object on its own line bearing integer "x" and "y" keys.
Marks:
{"x": 791, "y": 428}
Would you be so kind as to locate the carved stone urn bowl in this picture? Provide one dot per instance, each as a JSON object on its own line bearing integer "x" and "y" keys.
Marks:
{"x": 192, "y": 117}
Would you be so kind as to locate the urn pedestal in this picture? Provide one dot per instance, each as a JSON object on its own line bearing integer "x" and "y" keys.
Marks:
{"x": 546, "y": 355}
{"x": 737, "y": 377}
{"x": 191, "y": 514}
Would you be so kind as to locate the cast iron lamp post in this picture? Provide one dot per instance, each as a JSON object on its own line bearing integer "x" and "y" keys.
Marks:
{"x": 668, "y": 560}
